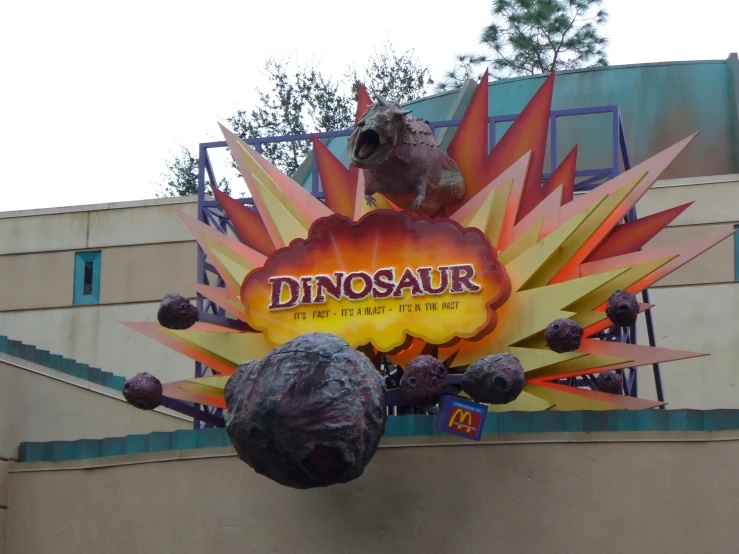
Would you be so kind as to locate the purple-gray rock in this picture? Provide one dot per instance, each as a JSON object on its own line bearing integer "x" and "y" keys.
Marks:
{"x": 176, "y": 312}
{"x": 622, "y": 308}
{"x": 495, "y": 379}
{"x": 143, "y": 391}
{"x": 563, "y": 335}
{"x": 423, "y": 382}
{"x": 233, "y": 382}
{"x": 309, "y": 414}
{"x": 609, "y": 381}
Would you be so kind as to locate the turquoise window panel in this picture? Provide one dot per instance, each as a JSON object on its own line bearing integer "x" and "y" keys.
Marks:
{"x": 736, "y": 253}
{"x": 87, "y": 277}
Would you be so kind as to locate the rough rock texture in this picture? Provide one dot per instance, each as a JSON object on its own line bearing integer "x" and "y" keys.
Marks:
{"x": 402, "y": 161}
{"x": 622, "y": 308}
{"x": 496, "y": 379}
{"x": 309, "y": 414}
{"x": 143, "y": 391}
{"x": 563, "y": 335}
{"x": 234, "y": 381}
{"x": 176, "y": 312}
{"x": 610, "y": 381}
{"x": 424, "y": 381}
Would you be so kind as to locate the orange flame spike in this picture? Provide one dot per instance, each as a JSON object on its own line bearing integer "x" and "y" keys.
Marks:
{"x": 650, "y": 170}
{"x": 163, "y": 336}
{"x": 177, "y": 391}
{"x": 247, "y": 223}
{"x": 527, "y": 133}
{"x": 339, "y": 183}
{"x": 363, "y": 102}
{"x": 469, "y": 145}
{"x": 637, "y": 355}
{"x": 683, "y": 251}
{"x": 615, "y": 400}
{"x": 564, "y": 175}
{"x": 630, "y": 237}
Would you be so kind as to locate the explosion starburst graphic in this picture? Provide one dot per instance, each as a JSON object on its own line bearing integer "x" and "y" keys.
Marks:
{"x": 564, "y": 254}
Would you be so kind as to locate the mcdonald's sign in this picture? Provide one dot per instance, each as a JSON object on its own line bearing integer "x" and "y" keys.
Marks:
{"x": 461, "y": 417}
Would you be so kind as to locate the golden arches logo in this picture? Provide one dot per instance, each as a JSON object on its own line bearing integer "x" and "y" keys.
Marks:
{"x": 465, "y": 420}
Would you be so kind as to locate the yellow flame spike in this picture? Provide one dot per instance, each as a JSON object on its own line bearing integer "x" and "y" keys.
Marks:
{"x": 534, "y": 358}
{"x": 234, "y": 347}
{"x": 524, "y": 403}
{"x": 236, "y": 266}
{"x": 522, "y": 268}
{"x": 527, "y": 240}
{"x": 480, "y": 218}
{"x": 589, "y": 361}
{"x": 216, "y": 381}
{"x": 204, "y": 389}
{"x": 563, "y": 401}
{"x": 597, "y": 216}
{"x": 526, "y": 313}
{"x": 287, "y": 226}
{"x": 632, "y": 275}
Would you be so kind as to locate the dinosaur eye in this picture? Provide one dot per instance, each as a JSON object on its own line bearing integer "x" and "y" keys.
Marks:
{"x": 360, "y": 124}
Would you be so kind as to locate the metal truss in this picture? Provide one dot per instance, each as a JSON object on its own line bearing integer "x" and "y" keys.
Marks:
{"x": 211, "y": 213}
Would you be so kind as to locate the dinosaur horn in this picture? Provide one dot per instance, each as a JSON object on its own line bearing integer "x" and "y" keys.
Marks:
{"x": 398, "y": 111}
{"x": 382, "y": 102}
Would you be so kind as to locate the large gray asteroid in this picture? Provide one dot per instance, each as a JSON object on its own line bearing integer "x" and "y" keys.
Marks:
{"x": 176, "y": 312}
{"x": 622, "y": 308}
{"x": 423, "y": 382}
{"x": 143, "y": 391}
{"x": 495, "y": 379}
{"x": 309, "y": 414}
{"x": 563, "y": 335}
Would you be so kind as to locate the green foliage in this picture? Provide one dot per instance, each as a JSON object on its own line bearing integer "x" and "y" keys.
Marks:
{"x": 304, "y": 100}
{"x": 528, "y": 37}
{"x": 181, "y": 178}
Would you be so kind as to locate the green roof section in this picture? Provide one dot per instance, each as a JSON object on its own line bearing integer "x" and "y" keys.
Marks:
{"x": 506, "y": 423}
{"x": 660, "y": 104}
{"x": 59, "y": 363}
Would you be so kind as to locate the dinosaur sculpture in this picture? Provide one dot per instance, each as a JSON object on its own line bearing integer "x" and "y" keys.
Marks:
{"x": 402, "y": 161}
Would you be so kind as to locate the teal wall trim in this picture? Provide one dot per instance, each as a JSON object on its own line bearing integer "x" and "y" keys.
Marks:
{"x": 404, "y": 426}
{"x": 736, "y": 253}
{"x": 660, "y": 104}
{"x": 87, "y": 277}
{"x": 65, "y": 365}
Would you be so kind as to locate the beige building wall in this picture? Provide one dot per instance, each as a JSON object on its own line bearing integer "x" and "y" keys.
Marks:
{"x": 147, "y": 251}
{"x": 40, "y": 404}
{"x": 640, "y": 497}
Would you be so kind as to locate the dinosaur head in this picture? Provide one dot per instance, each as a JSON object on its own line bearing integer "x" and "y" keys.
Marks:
{"x": 376, "y": 134}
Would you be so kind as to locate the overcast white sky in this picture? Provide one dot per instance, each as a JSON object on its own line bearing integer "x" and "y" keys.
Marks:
{"x": 96, "y": 95}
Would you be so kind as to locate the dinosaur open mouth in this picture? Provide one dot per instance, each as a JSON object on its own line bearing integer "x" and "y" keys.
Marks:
{"x": 367, "y": 143}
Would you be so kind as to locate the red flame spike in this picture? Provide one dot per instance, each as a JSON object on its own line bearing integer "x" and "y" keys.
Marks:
{"x": 339, "y": 183}
{"x": 527, "y": 133}
{"x": 564, "y": 175}
{"x": 630, "y": 237}
{"x": 249, "y": 226}
{"x": 363, "y": 102}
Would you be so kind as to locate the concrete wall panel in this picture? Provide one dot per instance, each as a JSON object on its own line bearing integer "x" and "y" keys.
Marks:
{"x": 94, "y": 335}
{"x": 147, "y": 272}
{"x": 36, "y": 408}
{"x": 713, "y": 202}
{"x": 698, "y": 319}
{"x": 43, "y": 233}
{"x": 32, "y": 281}
{"x": 145, "y": 225}
{"x": 534, "y": 498}
{"x": 713, "y": 266}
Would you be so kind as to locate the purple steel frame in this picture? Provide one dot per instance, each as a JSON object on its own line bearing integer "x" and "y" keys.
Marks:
{"x": 211, "y": 213}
